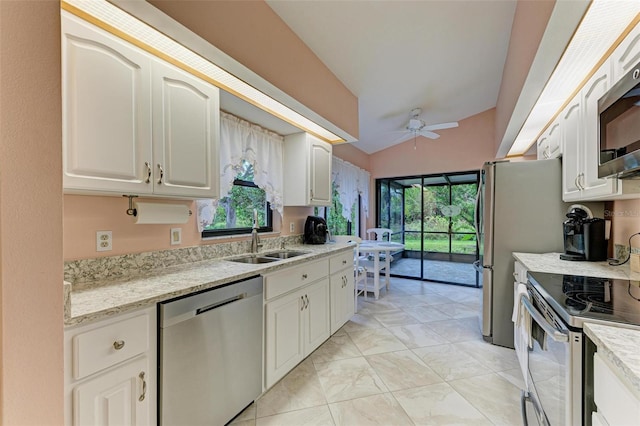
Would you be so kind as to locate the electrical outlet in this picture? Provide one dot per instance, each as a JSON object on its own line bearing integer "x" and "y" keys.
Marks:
{"x": 176, "y": 236}
{"x": 292, "y": 227}
{"x": 104, "y": 241}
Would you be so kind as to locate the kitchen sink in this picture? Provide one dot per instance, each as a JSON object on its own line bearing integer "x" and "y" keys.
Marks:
{"x": 284, "y": 254}
{"x": 254, "y": 259}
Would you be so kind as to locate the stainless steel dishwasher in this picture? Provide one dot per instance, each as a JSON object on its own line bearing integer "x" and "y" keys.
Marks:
{"x": 210, "y": 356}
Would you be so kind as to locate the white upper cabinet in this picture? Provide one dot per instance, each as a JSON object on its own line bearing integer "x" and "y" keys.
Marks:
{"x": 572, "y": 152}
{"x": 186, "y": 120}
{"x": 307, "y": 171}
{"x": 549, "y": 144}
{"x": 106, "y": 111}
{"x": 133, "y": 124}
{"x": 626, "y": 55}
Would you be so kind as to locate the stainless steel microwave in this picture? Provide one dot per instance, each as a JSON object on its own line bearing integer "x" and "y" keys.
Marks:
{"x": 619, "y": 127}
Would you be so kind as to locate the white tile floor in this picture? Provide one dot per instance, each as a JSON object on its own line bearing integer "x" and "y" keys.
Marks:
{"x": 415, "y": 357}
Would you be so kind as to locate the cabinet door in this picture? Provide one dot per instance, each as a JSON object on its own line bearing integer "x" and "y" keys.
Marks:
{"x": 626, "y": 55}
{"x": 116, "y": 398}
{"x": 320, "y": 172}
{"x": 317, "y": 319}
{"x": 555, "y": 140}
{"x": 186, "y": 133}
{"x": 284, "y": 335}
{"x": 342, "y": 298}
{"x": 571, "y": 160}
{"x": 106, "y": 111}
{"x": 593, "y": 90}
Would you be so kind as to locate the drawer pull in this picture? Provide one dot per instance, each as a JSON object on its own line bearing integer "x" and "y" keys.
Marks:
{"x": 148, "y": 166}
{"x": 344, "y": 262}
{"x": 118, "y": 344}
{"x": 144, "y": 387}
{"x": 304, "y": 276}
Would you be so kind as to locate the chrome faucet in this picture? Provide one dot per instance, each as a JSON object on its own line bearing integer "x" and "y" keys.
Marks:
{"x": 255, "y": 239}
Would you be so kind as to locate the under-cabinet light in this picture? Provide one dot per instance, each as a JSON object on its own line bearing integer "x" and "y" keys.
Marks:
{"x": 118, "y": 22}
{"x": 602, "y": 25}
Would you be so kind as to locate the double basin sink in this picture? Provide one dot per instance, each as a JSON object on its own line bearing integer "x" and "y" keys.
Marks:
{"x": 267, "y": 257}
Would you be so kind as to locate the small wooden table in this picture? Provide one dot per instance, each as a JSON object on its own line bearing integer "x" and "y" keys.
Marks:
{"x": 375, "y": 248}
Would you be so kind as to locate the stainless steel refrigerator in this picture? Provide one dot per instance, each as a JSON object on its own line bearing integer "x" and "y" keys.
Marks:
{"x": 519, "y": 209}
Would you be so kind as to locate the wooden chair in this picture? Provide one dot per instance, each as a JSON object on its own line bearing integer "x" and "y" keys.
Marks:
{"x": 379, "y": 234}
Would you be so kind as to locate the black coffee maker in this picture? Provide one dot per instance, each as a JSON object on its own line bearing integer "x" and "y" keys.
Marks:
{"x": 584, "y": 236}
{"x": 315, "y": 230}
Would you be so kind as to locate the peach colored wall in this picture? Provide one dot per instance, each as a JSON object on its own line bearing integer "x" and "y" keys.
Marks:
{"x": 31, "y": 312}
{"x": 625, "y": 220}
{"x": 353, "y": 155}
{"x": 254, "y": 35}
{"x": 529, "y": 23}
{"x": 85, "y": 214}
{"x": 466, "y": 147}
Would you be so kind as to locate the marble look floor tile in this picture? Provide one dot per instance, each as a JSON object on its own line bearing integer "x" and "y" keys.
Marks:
{"x": 315, "y": 416}
{"x": 338, "y": 346}
{"x": 250, "y": 422}
{"x": 433, "y": 299}
{"x": 348, "y": 379}
{"x": 404, "y": 301}
{"x": 301, "y": 388}
{"x": 461, "y": 310}
{"x": 494, "y": 396}
{"x": 450, "y": 363}
{"x": 455, "y": 330}
{"x": 360, "y": 322}
{"x": 417, "y": 335}
{"x": 376, "y": 341}
{"x": 381, "y": 305}
{"x": 439, "y": 404}
{"x": 395, "y": 318}
{"x": 381, "y": 410}
{"x": 402, "y": 370}
{"x": 495, "y": 357}
{"x": 514, "y": 376}
{"x": 425, "y": 313}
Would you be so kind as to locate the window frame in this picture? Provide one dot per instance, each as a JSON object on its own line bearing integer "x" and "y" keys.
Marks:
{"x": 209, "y": 233}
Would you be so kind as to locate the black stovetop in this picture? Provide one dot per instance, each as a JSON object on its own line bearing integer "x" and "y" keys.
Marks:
{"x": 577, "y": 298}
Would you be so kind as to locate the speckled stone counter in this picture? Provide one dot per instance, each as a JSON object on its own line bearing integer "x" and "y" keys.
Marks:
{"x": 620, "y": 347}
{"x": 94, "y": 300}
{"x": 550, "y": 262}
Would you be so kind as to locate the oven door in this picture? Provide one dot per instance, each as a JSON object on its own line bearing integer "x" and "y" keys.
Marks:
{"x": 549, "y": 370}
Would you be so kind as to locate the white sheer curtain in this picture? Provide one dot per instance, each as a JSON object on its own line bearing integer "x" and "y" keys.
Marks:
{"x": 243, "y": 141}
{"x": 350, "y": 181}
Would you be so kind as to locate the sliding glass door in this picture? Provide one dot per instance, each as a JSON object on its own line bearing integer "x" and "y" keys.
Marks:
{"x": 433, "y": 216}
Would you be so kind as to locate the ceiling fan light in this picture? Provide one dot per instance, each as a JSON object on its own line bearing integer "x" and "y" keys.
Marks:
{"x": 415, "y": 124}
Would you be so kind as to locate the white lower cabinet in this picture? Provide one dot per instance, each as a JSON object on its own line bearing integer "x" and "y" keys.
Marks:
{"x": 617, "y": 405}
{"x": 342, "y": 290}
{"x": 296, "y": 324}
{"x": 110, "y": 371}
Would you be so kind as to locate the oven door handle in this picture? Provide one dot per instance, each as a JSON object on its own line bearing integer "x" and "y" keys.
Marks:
{"x": 554, "y": 333}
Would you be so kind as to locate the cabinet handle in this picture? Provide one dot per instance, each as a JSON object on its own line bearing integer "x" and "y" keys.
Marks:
{"x": 307, "y": 299}
{"x": 118, "y": 344}
{"x": 161, "y": 174}
{"x": 148, "y": 166}
{"x": 144, "y": 387}
{"x": 515, "y": 275}
{"x": 311, "y": 192}
{"x": 304, "y": 276}
{"x": 344, "y": 262}
{"x": 582, "y": 181}
{"x": 302, "y": 299}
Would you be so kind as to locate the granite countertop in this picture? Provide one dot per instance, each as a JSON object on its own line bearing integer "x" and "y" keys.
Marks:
{"x": 550, "y": 262}
{"x": 620, "y": 347}
{"x": 101, "y": 299}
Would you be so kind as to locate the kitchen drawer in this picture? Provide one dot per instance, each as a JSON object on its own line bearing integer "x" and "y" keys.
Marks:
{"x": 614, "y": 400}
{"x": 289, "y": 279}
{"x": 519, "y": 272}
{"x": 340, "y": 262}
{"x": 109, "y": 345}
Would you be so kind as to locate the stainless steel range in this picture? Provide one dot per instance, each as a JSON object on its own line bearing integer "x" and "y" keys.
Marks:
{"x": 559, "y": 361}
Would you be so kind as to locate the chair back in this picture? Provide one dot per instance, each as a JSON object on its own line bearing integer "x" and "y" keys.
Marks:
{"x": 379, "y": 234}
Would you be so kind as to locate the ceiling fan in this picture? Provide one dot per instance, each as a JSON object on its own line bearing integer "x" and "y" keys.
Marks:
{"x": 417, "y": 127}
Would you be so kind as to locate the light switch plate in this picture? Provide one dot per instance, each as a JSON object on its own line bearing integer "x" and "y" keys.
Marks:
{"x": 292, "y": 227}
{"x": 176, "y": 236}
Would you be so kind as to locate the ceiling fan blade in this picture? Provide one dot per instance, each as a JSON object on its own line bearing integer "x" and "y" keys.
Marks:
{"x": 407, "y": 136}
{"x": 429, "y": 134}
{"x": 441, "y": 126}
